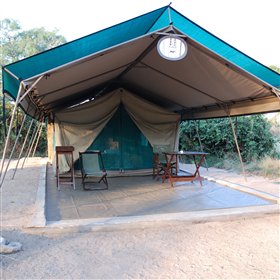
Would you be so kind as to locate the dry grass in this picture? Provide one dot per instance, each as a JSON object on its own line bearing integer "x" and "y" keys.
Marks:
{"x": 270, "y": 167}
{"x": 267, "y": 167}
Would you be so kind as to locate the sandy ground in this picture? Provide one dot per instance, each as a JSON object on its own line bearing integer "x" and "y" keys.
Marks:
{"x": 18, "y": 196}
{"x": 241, "y": 249}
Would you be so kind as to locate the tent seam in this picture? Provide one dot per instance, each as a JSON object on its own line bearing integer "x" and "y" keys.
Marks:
{"x": 166, "y": 7}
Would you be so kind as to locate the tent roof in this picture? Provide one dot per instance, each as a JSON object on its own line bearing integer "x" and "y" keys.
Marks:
{"x": 212, "y": 78}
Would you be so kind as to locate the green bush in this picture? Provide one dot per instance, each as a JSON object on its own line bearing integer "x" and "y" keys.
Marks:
{"x": 253, "y": 135}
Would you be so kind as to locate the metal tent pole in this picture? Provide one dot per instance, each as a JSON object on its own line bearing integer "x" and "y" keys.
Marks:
{"x": 18, "y": 100}
{"x": 12, "y": 152}
{"x": 33, "y": 142}
{"x": 31, "y": 87}
{"x": 10, "y": 129}
{"x": 200, "y": 143}
{"x": 22, "y": 148}
{"x": 30, "y": 142}
{"x": 35, "y": 147}
{"x": 4, "y": 114}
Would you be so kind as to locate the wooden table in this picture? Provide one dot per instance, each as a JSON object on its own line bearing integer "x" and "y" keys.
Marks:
{"x": 171, "y": 157}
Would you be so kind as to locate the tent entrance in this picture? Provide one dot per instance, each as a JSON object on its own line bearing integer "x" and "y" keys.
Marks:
{"x": 124, "y": 146}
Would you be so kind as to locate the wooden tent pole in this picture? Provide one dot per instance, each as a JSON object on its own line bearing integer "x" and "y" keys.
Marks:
{"x": 237, "y": 146}
{"x": 200, "y": 143}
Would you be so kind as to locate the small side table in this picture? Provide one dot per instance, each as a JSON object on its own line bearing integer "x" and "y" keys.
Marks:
{"x": 62, "y": 179}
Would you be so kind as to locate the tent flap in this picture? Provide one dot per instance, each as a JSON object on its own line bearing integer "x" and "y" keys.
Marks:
{"x": 79, "y": 126}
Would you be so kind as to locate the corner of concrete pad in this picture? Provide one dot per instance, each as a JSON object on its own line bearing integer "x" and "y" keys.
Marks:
{"x": 38, "y": 219}
{"x": 245, "y": 189}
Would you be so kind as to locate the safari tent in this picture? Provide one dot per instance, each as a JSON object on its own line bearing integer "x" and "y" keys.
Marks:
{"x": 113, "y": 91}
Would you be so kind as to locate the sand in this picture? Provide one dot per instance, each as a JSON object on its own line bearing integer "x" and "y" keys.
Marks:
{"x": 239, "y": 249}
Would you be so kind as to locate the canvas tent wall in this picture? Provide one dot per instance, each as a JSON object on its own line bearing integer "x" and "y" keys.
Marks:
{"x": 213, "y": 80}
{"x": 79, "y": 126}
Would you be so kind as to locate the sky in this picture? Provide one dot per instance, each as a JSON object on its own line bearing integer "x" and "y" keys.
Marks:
{"x": 251, "y": 26}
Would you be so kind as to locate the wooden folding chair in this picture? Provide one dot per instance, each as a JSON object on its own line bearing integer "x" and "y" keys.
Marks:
{"x": 159, "y": 160}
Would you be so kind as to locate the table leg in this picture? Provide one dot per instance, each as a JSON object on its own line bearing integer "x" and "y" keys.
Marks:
{"x": 197, "y": 168}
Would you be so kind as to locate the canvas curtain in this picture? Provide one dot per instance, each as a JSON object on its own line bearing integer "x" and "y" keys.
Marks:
{"x": 79, "y": 126}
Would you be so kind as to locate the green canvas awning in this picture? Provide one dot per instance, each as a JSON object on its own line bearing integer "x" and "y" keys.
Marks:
{"x": 212, "y": 80}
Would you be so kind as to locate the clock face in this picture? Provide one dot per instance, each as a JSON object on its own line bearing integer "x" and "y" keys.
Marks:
{"x": 172, "y": 47}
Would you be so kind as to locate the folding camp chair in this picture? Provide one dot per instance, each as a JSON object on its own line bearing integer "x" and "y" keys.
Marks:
{"x": 159, "y": 160}
{"x": 92, "y": 166}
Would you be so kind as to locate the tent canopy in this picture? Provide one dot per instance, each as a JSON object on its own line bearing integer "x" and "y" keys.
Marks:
{"x": 213, "y": 80}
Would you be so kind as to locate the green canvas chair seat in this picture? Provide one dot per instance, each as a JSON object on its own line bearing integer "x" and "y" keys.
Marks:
{"x": 93, "y": 170}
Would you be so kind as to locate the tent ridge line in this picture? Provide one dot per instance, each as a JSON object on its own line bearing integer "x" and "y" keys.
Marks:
{"x": 181, "y": 82}
{"x": 235, "y": 68}
{"x": 139, "y": 58}
{"x": 155, "y": 21}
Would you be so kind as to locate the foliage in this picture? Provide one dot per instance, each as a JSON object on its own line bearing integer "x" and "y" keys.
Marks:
{"x": 17, "y": 44}
{"x": 253, "y": 134}
{"x": 275, "y": 68}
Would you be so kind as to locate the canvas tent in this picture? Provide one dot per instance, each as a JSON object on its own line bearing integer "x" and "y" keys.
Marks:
{"x": 159, "y": 126}
{"x": 213, "y": 80}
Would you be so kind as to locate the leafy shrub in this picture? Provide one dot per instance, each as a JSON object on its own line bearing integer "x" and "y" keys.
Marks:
{"x": 253, "y": 135}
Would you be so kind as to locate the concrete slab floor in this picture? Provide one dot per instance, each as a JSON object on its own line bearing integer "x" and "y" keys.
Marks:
{"x": 140, "y": 195}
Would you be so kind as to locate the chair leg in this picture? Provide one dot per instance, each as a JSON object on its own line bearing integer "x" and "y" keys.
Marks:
{"x": 105, "y": 181}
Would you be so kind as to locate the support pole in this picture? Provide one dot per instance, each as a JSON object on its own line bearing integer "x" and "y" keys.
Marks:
{"x": 18, "y": 100}
{"x": 237, "y": 146}
{"x": 22, "y": 148}
{"x": 12, "y": 152}
{"x": 10, "y": 129}
{"x": 200, "y": 143}
{"x": 31, "y": 143}
{"x": 31, "y": 87}
{"x": 35, "y": 147}
{"x": 4, "y": 114}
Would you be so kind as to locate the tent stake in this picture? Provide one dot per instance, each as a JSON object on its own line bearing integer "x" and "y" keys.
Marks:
{"x": 237, "y": 146}
{"x": 10, "y": 129}
{"x": 22, "y": 148}
{"x": 12, "y": 152}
